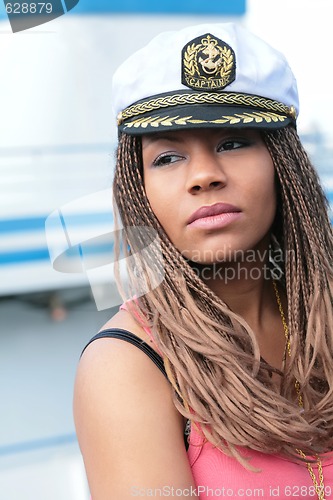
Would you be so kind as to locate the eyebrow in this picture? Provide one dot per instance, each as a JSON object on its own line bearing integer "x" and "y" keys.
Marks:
{"x": 151, "y": 138}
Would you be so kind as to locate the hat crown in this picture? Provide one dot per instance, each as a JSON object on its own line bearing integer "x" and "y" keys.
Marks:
{"x": 158, "y": 68}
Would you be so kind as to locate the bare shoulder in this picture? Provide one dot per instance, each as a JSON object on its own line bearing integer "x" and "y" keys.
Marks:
{"x": 130, "y": 434}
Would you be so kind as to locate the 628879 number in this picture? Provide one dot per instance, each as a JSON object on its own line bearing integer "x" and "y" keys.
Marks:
{"x": 25, "y": 8}
{"x": 308, "y": 491}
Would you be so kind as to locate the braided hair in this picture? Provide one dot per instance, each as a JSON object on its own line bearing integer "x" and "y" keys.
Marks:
{"x": 211, "y": 355}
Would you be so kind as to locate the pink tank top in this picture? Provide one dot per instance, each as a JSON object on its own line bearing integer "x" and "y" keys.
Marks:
{"x": 218, "y": 476}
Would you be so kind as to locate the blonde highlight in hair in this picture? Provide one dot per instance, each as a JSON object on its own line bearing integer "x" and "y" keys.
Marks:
{"x": 211, "y": 354}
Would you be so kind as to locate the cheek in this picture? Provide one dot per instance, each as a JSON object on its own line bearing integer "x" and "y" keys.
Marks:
{"x": 269, "y": 181}
{"x": 163, "y": 201}
{"x": 153, "y": 192}
{"x": 263, "y": 191}
{"x": 255, "y": 182}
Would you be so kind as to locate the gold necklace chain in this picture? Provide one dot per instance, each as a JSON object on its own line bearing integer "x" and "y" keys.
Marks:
{"x": 320, "y": 488}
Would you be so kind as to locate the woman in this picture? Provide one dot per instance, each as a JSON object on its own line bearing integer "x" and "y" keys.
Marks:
{"x": 210, "y": 160}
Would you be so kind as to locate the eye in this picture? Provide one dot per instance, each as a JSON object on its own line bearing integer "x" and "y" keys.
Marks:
{"x": 231, "y": 144}
{"x": 167, "y": 159}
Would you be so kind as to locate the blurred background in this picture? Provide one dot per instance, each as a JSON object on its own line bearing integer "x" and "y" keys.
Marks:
{"x": 57, "y": 143}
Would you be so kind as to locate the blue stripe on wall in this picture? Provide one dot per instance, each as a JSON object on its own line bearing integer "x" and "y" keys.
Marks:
{"x": 38, "y": 223}
{"x": 24, "y": 256}
{"x": 18, "y": 225}
{"x": 227, "y": 7}
{"x": 222, "y": 7}
{"x": 38, "y": 444}
{"x": 42, "y": 254}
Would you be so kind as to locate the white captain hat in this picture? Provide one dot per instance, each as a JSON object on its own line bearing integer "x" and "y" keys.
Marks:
{"x": 208, "y": 75}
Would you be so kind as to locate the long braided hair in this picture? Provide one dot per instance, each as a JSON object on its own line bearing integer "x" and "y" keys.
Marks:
{"x": 210, "y": 353}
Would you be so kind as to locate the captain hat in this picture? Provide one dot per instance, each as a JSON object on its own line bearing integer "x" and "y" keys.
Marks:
{"x": 208, "y": 75}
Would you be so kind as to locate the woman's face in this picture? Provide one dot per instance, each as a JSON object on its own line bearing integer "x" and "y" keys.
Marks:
{"x": 212, "y": 190}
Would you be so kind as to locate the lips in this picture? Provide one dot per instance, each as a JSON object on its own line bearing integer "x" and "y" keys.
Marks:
{"x": 210, "y": 211}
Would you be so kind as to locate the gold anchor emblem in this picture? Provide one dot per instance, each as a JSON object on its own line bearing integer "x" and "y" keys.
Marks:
{"x": 210, "y": 65}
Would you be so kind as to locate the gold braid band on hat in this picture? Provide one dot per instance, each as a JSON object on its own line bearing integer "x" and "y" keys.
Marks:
{"x": 217, "y": 98}
{"x": 239, "y": 118}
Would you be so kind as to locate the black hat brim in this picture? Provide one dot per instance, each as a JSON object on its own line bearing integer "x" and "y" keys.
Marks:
{"x": 204, "y": 116}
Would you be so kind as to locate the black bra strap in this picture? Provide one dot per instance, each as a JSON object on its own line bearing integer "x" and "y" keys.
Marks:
{"x": 118, "y": 333}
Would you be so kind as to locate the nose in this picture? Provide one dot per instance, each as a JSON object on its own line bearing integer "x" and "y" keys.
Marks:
{"x": 205, "y": 173}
